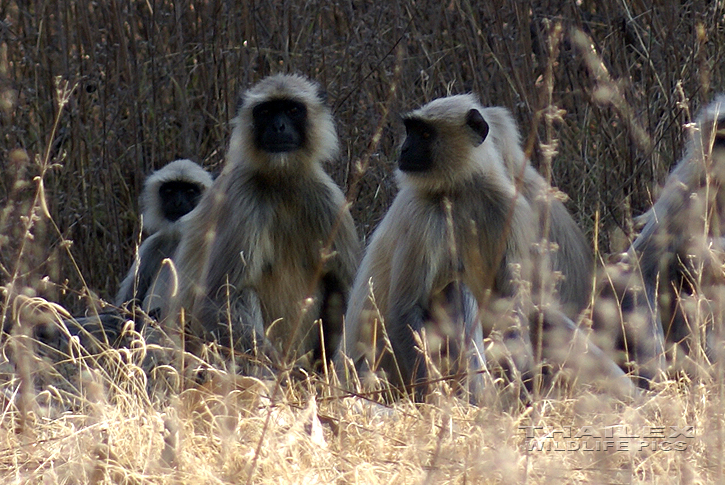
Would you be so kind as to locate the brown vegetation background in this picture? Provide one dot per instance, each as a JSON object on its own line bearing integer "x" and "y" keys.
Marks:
{"x": 149, "y": 81}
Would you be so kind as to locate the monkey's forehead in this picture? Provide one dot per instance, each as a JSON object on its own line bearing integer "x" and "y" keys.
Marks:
{"x": 179, "y": 170}
{"x": 449, "y": 109}
{"x": 181, "y": 167}
{"x": 282, "y": 86}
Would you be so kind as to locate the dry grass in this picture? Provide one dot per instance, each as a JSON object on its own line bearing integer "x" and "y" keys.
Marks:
{"x": 94, "y": 95}
{"x": 234, "y": 433}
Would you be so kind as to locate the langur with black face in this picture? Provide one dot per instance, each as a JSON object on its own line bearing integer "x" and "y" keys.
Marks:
{"x": 272, "y": 249}
{"x": 671, "y": 280}
{"x": 168, "y": 194}
{"x": 454, "y": 253}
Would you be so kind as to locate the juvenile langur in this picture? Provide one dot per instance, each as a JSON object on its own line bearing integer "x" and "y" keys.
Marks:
{"x": 271, "y": 250}
{"x": 458, "y": 236}
{"x": 168, "y": 194}
{"x": 677, "y": 258}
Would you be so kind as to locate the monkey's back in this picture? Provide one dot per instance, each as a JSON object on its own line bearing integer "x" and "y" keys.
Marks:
{"x": 151, "y": 253}
{"x": 573, "y": 257}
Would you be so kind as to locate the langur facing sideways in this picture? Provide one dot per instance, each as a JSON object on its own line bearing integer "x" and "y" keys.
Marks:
{"x": 453, "y": 259}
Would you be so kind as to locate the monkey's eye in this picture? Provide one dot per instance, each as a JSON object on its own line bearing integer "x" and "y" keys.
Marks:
{"x": 293, "y": 111}
{"x": 425, "y": 135}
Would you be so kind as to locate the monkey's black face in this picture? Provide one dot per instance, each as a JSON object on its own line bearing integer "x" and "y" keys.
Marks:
{"x": 416, "y": 154}
{"x": 178, "y": 198}
{"x": 280, "y": 125}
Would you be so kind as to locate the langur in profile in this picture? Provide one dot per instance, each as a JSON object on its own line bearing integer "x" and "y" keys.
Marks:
{"x": 452, "y": 259}
{"x": 669, "y": 284}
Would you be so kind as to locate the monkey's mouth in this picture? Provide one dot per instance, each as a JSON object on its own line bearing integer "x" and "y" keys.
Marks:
{"x": 412, "y": 165}
{"x": 175, "y": 214}
{"x": 280, "y": 142}
{"x": 281, "y": 147}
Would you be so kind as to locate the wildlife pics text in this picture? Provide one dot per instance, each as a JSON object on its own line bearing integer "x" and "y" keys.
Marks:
{"x": 359, "y": 242}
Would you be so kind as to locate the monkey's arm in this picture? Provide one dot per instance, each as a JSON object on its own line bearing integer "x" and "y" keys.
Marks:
{"x": 454, "y": 314}
{"x": 360, "y": 330}
{"x": 128, "y": 289}
{"x": 412, "y": 274}
{"x": 653, "y": 250}
{"x": 335, "y": 283}
{"x": 346, "y": 249}
{"x": 142, "y": 274}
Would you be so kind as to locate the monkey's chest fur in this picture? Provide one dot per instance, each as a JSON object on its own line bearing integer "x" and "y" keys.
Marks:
{"x": 469, "y": 235}
{"x": 293, "y": 225}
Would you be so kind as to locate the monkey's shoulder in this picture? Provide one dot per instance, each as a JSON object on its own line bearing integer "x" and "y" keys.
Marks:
{"x": 161, "y": 244}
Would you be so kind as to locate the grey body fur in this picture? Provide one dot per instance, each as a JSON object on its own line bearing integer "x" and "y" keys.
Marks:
{"x": 572, "y": 258}
{"x": 675, "y": 255}
{"x": 252, "y": 258}
{"x": 164, "y": 234}
{"x": 462, "y": 222}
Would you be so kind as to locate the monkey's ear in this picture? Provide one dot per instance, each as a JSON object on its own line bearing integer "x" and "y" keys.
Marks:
{"x": 322, "y": 95}
{"x": 240, "y": 103}
{"x": 479, "y": 126}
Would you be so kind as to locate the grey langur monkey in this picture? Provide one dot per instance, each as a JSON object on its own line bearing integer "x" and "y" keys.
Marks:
{"x": 675, "y": 260}
{"x": 455, "y": 253}
{"x": 168, "y": 194}
{"x": 272, "y": 248}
